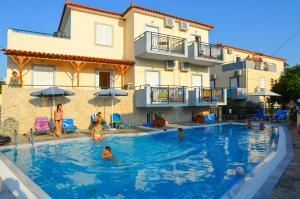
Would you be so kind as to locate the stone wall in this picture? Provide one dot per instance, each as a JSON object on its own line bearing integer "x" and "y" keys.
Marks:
{"x": 17, "y": 103}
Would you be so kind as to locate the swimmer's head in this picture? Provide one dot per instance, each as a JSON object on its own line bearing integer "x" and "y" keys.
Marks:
{"x": 180, "y": 130}
{"x": 107, "y": 148}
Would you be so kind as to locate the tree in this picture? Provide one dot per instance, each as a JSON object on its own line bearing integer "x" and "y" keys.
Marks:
{"x": 288, "y": 85}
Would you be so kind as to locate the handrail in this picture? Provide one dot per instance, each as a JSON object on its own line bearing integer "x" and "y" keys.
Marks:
{"x": 161, "y": 34}
{"x": 56, "y": 34}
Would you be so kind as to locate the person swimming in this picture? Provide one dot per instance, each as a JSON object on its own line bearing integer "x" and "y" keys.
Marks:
{"x": 106, "y": 152}
{"x": 180, "y": 134}
{"x": 261, "y": 126}
{"x": 249, "y": 124}
{"x": 97, "y": 131}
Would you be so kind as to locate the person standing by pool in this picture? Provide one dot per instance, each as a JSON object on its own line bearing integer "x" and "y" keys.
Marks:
{"x": 180, "y": 134}
{"x": 97, "y": 131}
{"x": 106, "y": 152}
{"x": 58, "y": 115}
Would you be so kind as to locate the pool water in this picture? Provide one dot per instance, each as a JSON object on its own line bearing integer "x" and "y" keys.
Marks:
{"x": 147, "y": 166}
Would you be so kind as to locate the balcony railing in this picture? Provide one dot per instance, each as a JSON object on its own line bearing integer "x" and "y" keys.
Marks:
{"x": 167, "y": 95}
{"x": 55, "y": 34}
{"x": 167, "y": 43}
{"x": 210, "y": 51}
{"x": 211, "y": 95}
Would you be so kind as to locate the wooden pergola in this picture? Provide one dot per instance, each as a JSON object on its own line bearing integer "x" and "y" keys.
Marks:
{"x": 21, "y": 58}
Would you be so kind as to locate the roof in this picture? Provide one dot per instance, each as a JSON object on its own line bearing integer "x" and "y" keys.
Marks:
{"x": 252, "y": 52}
{"x": 55, "y": 56}
{"x": 69, "y": 4}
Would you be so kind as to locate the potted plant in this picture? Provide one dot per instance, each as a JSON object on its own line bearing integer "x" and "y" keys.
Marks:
{"x": 158, "y": 121}
{"x": 199, "y": 118}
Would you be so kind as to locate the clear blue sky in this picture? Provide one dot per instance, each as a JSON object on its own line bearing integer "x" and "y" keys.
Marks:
{"x": 260, "y": 25}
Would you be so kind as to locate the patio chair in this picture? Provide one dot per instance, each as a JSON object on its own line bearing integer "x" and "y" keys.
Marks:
{"x": 104, "y": 125}
{"x": 210, "y": 118}
{"x": 68, "y": 126}
{"x": 117, "y": 121}
{"x": 281, "y": 115}
{"x": 41, "y": 125}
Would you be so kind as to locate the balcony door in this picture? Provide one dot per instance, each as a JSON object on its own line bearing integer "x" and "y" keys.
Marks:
{"x": 151, "y": 29}
{"x": 196, "y": 80}
{"x": 234, "y": 82}
{"x": 152, "y": 78}
{"x": 103, "y": 79}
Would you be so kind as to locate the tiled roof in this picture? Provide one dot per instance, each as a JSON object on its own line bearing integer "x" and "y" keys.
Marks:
{"x": 55, "y": 56}
{"x": 133, "y": 6}
{"x": 251, "y": 52}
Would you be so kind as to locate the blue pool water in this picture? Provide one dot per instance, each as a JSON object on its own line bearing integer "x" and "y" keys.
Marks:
{"x": 147, "y": 166}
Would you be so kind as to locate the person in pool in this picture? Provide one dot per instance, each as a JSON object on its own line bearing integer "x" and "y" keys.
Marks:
{"x": 106, "y": 152}
{"x": 180, "y": 134}
{"x": 261, "y": 126}
{"x": 249, "y": 124}
{"x": 97, "y": 131}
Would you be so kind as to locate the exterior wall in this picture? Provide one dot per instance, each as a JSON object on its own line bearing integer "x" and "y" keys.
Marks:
{"x": 18, "y": 104}
{"x": 142, "y": 19}
{"x": 175, "y": 77}
{"x": 82, "y": 41}
{"x": 64, "y": 74}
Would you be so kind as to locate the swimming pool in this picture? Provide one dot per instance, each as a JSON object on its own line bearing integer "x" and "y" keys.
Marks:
{"x": 147, "y": 166}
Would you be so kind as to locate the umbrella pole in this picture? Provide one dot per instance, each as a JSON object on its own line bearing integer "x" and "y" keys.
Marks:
{"x": 112, "y": 111}
{"x": 264, "y": 107}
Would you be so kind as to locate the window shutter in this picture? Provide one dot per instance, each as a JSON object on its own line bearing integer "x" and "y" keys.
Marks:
{"x": 104, "y": 34}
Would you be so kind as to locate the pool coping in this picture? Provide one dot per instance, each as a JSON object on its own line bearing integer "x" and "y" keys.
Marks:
{"x": 261, "y": 179}
{"x": 32, "y": 190}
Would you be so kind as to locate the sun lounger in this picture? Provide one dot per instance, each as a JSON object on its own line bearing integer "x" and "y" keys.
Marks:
{"x": 69, "y": 126}
{"x": 281, "y": 115}
{"x": 41, "y": 125}
{"x": 117, "y": 121}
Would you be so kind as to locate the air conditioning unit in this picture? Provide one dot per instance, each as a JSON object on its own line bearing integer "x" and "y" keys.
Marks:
{"x": 169, "y": 22}
{"x": 170, "y": 65}
{"x": 185, "y": 67}
{"x": 237, "y": 73}
{"x": 229, "y": 50}
{"x": 184, "y": 26}
{"x": 213, "y": 76}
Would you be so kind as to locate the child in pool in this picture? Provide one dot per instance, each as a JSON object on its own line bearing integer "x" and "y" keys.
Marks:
{"x": 249, "y": 124}
{"x": 180, "y": 134}
{"x": 106, "y": 152}
{"x": 97, "y": 131}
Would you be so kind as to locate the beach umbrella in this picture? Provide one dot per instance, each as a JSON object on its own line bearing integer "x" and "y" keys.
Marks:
{"x": 265, "y": 93}
{"x": 111, "y": 92}
{"x": 52, "y": 92}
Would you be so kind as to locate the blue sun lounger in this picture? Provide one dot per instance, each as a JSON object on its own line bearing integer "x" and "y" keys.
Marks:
{"x": 117, "y": 122}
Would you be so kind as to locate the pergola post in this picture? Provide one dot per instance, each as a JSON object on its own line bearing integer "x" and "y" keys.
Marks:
{"x": 122, "y": 70}
{"x": 78, "y": 65}
{"x": 21, "y": 61}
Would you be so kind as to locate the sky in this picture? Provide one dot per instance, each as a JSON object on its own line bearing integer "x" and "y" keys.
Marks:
{"x": 259, "y": 25}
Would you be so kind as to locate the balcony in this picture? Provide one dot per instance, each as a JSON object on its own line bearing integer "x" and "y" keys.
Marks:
{"x": 151, "y": 45}
{"x": 237, "y": 93}
{"x": 263, "y": 66}
{"x": 207, "y": 96}
{"x": 161, "y": 96}
{"x": 205, "y": 54}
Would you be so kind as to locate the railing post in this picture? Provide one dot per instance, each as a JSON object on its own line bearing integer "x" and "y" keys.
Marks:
{"x": 168, "y": 94}
{"x": 210, "y": 50}
{"x": 168, "y": 43}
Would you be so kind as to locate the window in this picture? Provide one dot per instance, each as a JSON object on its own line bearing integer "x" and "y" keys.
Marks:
{"x": 261, "y": 82}
{"x": 196, "y": 81}
{"x": 234, "y": 82}
{"x": 152, "y": 78}
{"x": 272, "y": 81}
{"x": 43, "y": 76}
{"x": 236, "y": 58}
{"x": 104, "y": 34}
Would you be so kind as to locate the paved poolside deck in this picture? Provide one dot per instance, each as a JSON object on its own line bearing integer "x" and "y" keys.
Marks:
{"x": 288, "y": 186}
